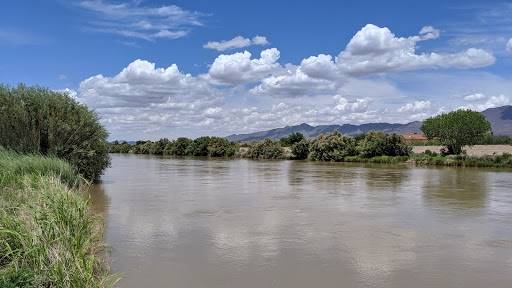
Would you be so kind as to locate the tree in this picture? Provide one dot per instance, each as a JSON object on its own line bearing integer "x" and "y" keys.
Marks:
{"x": 332, "y": 147}
{"x": 457, "y": 129}
{"x": 291, "y": 139}
{"x": 198, "y": 147}
{"x": 180, "y": 146}
{"x": 266, "y": 149}
{"x": 300, "y": 150}
{"x": 39, "y": 120}
{"x": 220, "y": 147}
{"x": 380, "y": 144}
{"x": 157, "y": 147}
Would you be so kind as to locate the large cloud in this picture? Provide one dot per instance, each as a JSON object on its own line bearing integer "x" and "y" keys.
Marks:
{"x": 140, "y": 84}
{"x": 239, "y": 68}
{"x": 372, "y": 50}
{"x": 509, "y": 46}
{"x": 376, "y": 50}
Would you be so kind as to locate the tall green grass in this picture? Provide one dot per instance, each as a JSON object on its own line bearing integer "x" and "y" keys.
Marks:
{"x": 48, "y": 237}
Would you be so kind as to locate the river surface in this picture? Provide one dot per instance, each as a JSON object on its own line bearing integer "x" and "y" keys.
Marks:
{"x": 189, "y": 223}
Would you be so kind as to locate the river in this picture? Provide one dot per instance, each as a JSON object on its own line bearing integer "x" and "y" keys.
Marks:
{"x": 238, "y": 223}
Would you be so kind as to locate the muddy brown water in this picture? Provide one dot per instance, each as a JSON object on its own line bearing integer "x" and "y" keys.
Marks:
{"x": 240, "y": 223}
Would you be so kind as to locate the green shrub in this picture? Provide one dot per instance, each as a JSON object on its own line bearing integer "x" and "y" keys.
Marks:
{"x": 38, "y": 120}
{"x": 179, "y": 147}
{"x": 332, "y": 147}
{"x": 266, "y": 149}
{"x": 300, "y": 150}
{"x": 142, "y": 147}
{"x": 220, "y": 147}
{"x": 119, "y": 147}
{"x": 198, "y": 147}
{"x": 291, "y": 139}
{"x": 157, "y": 147}
{"x": 381, "y": 144}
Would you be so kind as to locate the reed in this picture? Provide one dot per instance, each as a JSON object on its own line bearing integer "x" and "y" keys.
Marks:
{"x": 48, "y": 236}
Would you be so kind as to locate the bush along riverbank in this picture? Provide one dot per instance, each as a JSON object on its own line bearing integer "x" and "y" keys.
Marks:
{"x": 48, "y": 237}
{"x": 42, "y": 121}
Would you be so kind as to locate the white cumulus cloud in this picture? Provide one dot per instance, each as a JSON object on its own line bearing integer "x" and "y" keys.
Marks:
{"x": 414, "y": 107}
{"x": 509, "y": 46}
{"x": 376, "y": 49}
{"x": 492, "y": 102}
{"x": 238, "y": 68}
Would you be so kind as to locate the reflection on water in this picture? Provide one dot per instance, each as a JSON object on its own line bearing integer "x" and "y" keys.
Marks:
{"x": 460, "y": 188}
{"x": 219, "y": 223}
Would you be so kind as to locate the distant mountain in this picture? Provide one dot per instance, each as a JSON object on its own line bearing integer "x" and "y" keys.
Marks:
{"x": 314, "y": 131}
{"x": 500, "y": 118}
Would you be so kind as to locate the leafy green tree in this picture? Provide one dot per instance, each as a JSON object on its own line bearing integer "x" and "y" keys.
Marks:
{"x": 180, "y": 146}
{"x": 157, "y": 147}
{"x": 291, "y": 139}
{"x": 169, "y": 148}
{"x": 300, "y": 150}
{"x": 332, "y": 147}
{"x": 266, "y": 149}
{"x": 457, "y": 129}
{"x": 119, "y": 147}
{"x": 39, "y": 120}
{"x": 142, "y": 147}
{"x": 220, "y": 147}
{"x": 198, "y": 147}
{"x": 380, "y": 144}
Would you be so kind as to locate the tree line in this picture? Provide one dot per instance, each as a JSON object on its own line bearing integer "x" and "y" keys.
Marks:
{"x": 328, "y": 147}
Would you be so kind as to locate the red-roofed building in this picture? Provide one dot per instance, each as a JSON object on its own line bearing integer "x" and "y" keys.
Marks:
{"x": 415, "y": 137}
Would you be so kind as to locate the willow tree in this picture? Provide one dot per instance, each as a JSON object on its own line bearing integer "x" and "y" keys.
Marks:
{"x": 457, "y": 129}
{"x": 39, "y": 120}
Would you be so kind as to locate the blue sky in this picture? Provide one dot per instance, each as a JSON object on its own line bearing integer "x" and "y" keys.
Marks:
{"x": 155, "y": 69}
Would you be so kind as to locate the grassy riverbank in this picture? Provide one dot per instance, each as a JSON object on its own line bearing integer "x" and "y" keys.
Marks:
{"x": 48, "y": 237}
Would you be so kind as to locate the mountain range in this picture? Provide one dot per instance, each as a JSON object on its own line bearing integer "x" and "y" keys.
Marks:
{"x": 500, "y": 119}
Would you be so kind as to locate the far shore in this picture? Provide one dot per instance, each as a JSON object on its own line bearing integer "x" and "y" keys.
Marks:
{"x": 477, "y": 150}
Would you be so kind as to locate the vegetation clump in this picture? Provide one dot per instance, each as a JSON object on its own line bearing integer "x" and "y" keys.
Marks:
{"x": 48, "y": 237}
{"x": 457, "y": 129}
{"x": 380, "y": 144}
{"x": 38, "y": 120}
{"x": 332, "y": 147}
{"x": 300, "y": 150}
{"x": 220, "y": 147}
{"x": 433, "y": 159}
{"x": 291, "y": 139}
{"x": 266, "y": 149}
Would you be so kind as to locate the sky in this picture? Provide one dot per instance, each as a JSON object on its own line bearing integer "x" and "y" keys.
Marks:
{"x": 153, "y": 69}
